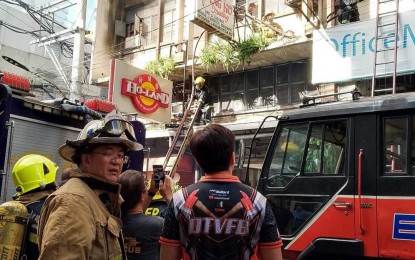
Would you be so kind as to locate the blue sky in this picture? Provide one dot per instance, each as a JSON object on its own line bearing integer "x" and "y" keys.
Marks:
{"x": 71, "y": 14}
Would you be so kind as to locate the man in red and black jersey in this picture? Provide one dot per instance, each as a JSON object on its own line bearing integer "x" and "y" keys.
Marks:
{"x": 218, "y": 217}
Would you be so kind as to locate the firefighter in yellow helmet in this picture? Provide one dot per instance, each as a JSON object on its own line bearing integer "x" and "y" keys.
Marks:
{"x": 34, "y": 178}
{"x": 202, "y": 95}
{"x": 81, "y": 220}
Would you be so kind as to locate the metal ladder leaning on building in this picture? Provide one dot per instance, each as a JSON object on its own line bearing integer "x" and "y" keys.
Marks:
{"x": 386, "y": 31}
{"x": 178, "y": 147}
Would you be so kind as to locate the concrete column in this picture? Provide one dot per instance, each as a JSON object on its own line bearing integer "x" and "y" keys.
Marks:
{"x": 179, "y": 24}
{"x": 159, "y": 34}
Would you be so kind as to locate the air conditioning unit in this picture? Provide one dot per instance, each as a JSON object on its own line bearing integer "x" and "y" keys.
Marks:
{"x": 133, "y": 42}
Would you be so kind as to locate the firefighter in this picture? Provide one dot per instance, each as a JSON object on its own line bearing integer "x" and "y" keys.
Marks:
{"x": 218, "y": 217}
{"x": 34, "y": 178}
{"x": 81, "y": 220}
{"x": 203, "y": 95}
{"x": 347, "y": 11}
{"x": 270, "y": 29}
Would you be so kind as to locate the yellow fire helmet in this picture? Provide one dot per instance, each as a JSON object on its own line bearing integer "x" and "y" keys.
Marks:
{"x": 199, "y": 80}
{"x": 291, "y": 147}
{"x": 33, "y": 171}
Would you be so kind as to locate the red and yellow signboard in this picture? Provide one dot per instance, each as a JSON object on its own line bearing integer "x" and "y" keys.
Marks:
{"x": 145, "y": 93}
{"x": 136, "y": 91}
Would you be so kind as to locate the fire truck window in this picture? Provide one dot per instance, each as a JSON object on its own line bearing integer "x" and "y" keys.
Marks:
{"x": 288, "y": 154}
{"x": 395, "y": 149}
{"x": 292, "y": 212}
{"x": 325, "y": 150}
{"x": 413, "y": 146}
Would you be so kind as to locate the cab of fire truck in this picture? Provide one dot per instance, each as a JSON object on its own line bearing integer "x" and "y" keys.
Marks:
{"x": 340, "y": 178}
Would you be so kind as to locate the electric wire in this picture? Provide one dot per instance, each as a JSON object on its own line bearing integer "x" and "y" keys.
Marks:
{"x": 104, "y": 53}
{"x": 115, "y": 53}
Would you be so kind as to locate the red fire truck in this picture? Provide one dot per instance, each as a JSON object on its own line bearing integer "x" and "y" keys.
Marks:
{"x": 340, "y": 178}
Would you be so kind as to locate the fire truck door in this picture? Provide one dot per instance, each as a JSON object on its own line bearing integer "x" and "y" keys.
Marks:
{"x": 365, "y": 157}
{"x": 309, "y": 186}
{"x": 395, "y": 186}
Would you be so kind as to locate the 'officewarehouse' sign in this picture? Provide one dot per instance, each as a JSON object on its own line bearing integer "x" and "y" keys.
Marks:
{"x": 346, "y": 52}
{"x": 136, "y": 91}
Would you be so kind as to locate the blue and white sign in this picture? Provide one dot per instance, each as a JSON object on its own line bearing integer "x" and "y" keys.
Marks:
{"x": 346, "y": 52}
{"x": 404, "y": 227}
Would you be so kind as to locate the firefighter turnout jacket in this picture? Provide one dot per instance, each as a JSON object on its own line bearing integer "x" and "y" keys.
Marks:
{"x": 79, "y": 221}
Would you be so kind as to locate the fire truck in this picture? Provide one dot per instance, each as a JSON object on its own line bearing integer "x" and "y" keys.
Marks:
{"x": 29, "y": 126}
{"x": 340, "y": 178}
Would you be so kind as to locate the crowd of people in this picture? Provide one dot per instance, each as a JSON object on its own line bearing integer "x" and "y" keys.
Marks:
{"x": 97, "y": 211}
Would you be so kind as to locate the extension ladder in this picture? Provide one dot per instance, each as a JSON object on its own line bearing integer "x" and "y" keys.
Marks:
{"x": 385, "y": 59}
{"x": 181, "y": 139}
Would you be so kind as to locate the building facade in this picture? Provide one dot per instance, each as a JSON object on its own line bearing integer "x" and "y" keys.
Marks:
{"x": 247, "y": 91}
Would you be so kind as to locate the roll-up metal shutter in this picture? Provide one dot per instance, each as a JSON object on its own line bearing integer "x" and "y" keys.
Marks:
{"x": 37, "y": 137}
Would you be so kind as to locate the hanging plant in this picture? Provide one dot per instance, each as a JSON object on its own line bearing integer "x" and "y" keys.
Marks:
{"x": 152, "y": 67}
{"x": 162, "y": 67}
{"x": 167, "y": 66}
{"x": 209, "y": 56}
{"x": 233, "y": 53}
{"x": 247, "y": 48}
{"x": 228, "y": 56}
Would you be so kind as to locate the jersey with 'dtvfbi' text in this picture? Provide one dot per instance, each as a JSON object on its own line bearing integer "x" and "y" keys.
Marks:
{"x": 220, "y": 218}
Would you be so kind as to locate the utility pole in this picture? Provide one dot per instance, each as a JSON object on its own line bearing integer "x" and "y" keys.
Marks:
{"x": 78, "y": 52}
{"x": 47, "y": 12}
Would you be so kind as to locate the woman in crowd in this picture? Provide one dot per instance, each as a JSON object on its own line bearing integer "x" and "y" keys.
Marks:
{"x": 141, "y": 232}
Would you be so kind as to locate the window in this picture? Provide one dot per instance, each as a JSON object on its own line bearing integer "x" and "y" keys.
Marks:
{"x": 266, "y": 87}
{"x": 130, "y": 21}
{"x": 130, "y": 29}
{"x": 404, "y": 83}
{"x": 320, "y": 151}
{"x": 213, "y": 85}
{"x": 288, "y": 154}
{"x": 395, "y": 148}
{"x": 325, "y": 149}
{"x": 283, "y": 73}
{"x": 290, "y": 80}
{"x": 282, "y": 87}
{"x": 252, "y": 89}
{"x": 292, "y": 212}
{"x": 262, "y": 88}
{"x": 168, "y": 28}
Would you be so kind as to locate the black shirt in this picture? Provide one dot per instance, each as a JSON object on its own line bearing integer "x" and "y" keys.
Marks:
{"x": 141, "y": 236}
